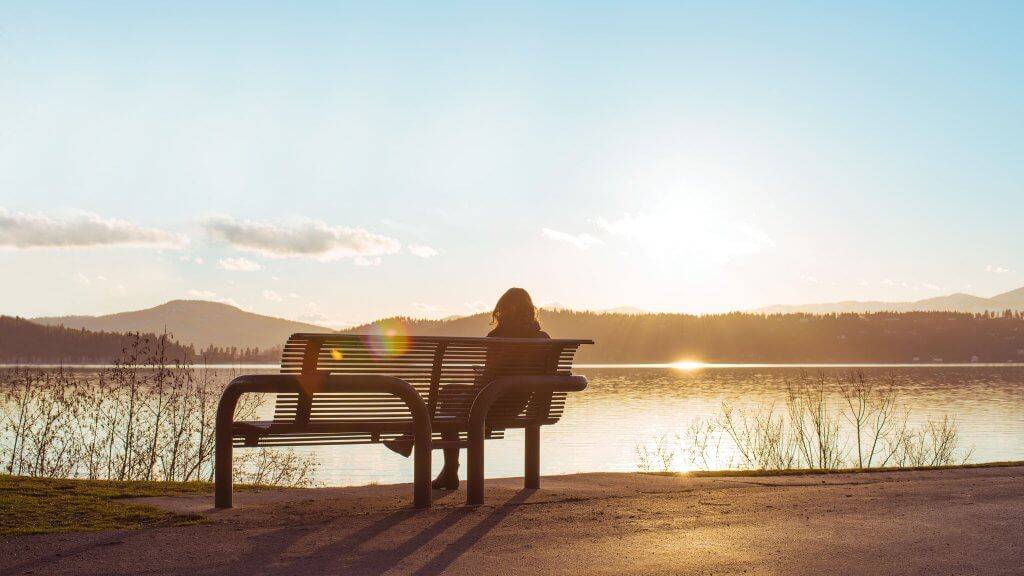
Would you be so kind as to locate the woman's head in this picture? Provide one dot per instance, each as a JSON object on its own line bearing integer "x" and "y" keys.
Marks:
{"x": 514, "y": 308}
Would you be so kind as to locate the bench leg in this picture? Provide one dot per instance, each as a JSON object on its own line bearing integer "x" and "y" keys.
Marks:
{"x": 531, "y": 478}
{"x": 421, "y": 473}
{"x": 222, "y": 467}
{"x": 475, "y": 468}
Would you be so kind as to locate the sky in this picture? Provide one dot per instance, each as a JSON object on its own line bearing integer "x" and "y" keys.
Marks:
{"x": 336, "y": 163}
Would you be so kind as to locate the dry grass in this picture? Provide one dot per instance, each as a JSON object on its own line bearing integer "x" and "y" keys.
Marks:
{"x": 44, "y": 505}
{"x": 809, "y": 471}
{"x": 48, "y": 505}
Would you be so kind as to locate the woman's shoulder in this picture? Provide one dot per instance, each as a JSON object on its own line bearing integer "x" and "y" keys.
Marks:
{"x": 518, "y": 332}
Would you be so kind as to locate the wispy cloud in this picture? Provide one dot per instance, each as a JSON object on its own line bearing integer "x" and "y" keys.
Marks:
{"x": 239, "y": 265}
{"x": 314, "y": 315}
{"x": 581, "y": 241}
{"x": 422, "y": 251}
{"x": 300, "y": 238}
{"x": 477, "y": 306}
{"x": 212, "y": 296}
{"x": 364, "y": 261}
{"x": 272, "y": 296}
{"x": 997, "y": 270}
{"x": 83, "y": 230}
{"x": 697, "y": 233}
{"x": 100, "y": 282}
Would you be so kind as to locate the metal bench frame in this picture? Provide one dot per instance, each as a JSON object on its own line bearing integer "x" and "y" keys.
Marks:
{"x": 308, "y": 379}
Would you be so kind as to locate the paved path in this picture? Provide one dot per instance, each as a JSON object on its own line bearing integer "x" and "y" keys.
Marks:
{"x": 937, "y": 522}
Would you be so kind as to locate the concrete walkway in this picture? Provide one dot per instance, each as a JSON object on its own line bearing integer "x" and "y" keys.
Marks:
{"x": 968, "y": 521}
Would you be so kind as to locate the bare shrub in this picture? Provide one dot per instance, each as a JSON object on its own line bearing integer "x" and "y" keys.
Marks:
{"x": 761, "y": 437}
{"x": 815, "y": 427}
{"x": 147, "y": 417}
{"x": 865, "y": 427}
{"x": 703, "y": 441}
{"x": 657, "y": 458}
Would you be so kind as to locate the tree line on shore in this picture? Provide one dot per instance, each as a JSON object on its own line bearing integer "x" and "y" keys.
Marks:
{"x": 630, "y": 338}
{"x": 750, "y": 337}
{"x": 25, "y": 342}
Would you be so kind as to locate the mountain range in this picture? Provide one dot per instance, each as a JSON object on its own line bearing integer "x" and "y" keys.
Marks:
{"x": 959, "y": 302}
{"x": 202, "y": 323}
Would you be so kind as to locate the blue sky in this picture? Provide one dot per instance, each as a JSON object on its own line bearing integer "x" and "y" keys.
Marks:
{"x": 337, "y": 163}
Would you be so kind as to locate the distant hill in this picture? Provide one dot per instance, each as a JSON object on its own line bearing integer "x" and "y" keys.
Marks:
{"x": 196, "y": 322}
{"x": 1013, "y": 300}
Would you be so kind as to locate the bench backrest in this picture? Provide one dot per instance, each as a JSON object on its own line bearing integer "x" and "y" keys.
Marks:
{"x": 446, "y": 371}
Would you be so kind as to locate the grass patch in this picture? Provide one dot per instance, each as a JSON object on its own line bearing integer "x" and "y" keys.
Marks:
{"x": 807, "y": 471}
{"x": 46, "y": 505}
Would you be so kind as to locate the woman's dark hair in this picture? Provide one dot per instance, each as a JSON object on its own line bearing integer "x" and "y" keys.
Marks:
{"x": 515, "y": 308}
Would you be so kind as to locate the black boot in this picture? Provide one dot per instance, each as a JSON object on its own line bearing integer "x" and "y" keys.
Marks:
{"x": 447, "y": 479}
{"x": 401, "y": 445}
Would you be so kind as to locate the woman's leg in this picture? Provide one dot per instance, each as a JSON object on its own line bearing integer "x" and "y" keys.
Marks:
{"x": 448, "y": 478}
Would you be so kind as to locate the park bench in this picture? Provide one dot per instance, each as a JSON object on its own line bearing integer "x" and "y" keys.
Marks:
{"x": 441, "y": 392}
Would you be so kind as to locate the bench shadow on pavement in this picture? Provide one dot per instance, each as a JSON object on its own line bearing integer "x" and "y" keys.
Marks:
{"x": 346, "y": 556}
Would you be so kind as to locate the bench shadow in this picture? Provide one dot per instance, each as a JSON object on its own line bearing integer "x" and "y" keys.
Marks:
{"x": 456, "y": 549}
{"x": 346, "y": 557}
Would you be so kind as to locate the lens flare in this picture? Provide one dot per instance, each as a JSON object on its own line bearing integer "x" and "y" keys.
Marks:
{"x": 388, "y": 338}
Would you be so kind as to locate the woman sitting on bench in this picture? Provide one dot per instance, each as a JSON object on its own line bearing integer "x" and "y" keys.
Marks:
{"x": 515, "y": 316}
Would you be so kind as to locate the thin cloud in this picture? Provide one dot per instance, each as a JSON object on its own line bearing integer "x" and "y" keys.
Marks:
{"x": 239, "y": 265}
{"x": 582, "y": 241}
{"x": 23, "y": 231}
{"x": 703, "y": 234}
{"x": 476, "y": 306}
{"x": 300, "y": 238}
{"x": 314, "y": 315}
{"x": 211, "y": 296}
{"x": 422, "y": 251}
{"x": 364, "y": 261}
{"x": 272, "y": 296}
{"x": 997, "y": 270}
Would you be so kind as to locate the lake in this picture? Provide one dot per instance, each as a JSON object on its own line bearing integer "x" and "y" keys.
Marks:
{"x": 629, "y": 406}
{"x": 631, "y": 411}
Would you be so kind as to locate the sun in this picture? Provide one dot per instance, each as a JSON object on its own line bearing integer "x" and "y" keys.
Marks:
{"x": 687, "y": 365}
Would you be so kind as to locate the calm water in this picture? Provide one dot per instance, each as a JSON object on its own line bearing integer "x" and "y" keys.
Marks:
{"x": 627, "y": 407}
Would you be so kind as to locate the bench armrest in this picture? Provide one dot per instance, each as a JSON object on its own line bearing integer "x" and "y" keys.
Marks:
{"x": 312, "y": 384}
{"x": 490, "y": 393}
